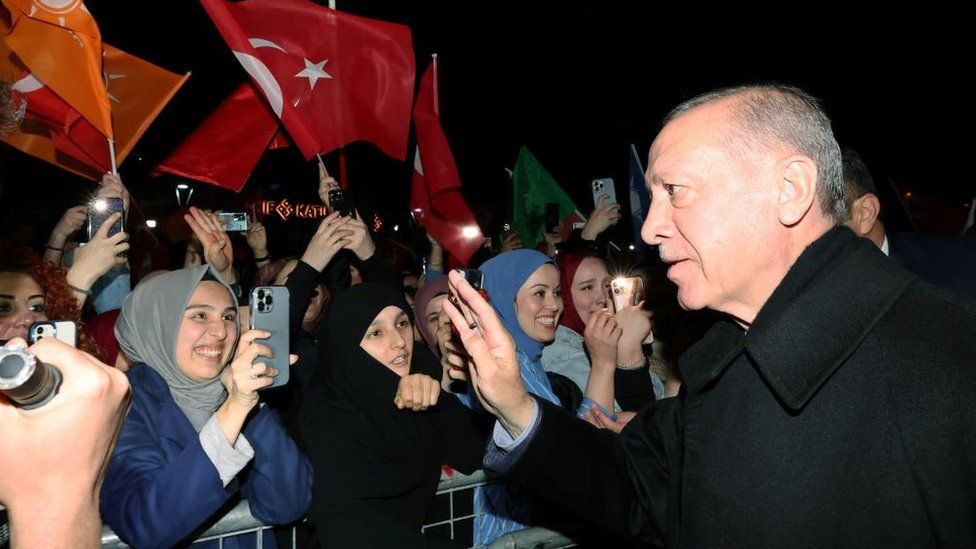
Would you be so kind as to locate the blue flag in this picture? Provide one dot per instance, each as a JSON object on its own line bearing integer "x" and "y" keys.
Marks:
{"x": 640, "y": 202}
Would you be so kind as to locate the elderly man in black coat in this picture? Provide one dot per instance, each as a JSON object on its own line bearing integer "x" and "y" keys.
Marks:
{"x": 836, "y": 406}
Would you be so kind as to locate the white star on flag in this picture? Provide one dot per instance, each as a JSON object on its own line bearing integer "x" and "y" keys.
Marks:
{"x": 313, "y": 71}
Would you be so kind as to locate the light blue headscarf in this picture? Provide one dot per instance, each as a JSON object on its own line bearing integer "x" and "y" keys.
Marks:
{"x": 504, "y": 276}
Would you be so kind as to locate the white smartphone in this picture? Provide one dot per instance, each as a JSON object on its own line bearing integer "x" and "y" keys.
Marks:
{"x": 62, "y": 330}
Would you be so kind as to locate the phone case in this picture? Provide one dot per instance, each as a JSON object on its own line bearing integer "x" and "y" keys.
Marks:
{"x": 626, "y": 291}
{"x": 62, "y": 330}
{"x": 603, "y": 187}
{"x": 269, "y": 312}
{"x": 233, "y": 221}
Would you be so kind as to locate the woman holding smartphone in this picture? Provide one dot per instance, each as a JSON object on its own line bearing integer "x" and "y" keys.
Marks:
{"x": 376, "y": 426}
{"x": 195, "y": 438}
{"x": 524, "y": 289}
{"x": 577, "y": 350}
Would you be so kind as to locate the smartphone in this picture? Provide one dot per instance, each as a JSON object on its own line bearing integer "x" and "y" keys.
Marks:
{"x": 342, "y": 203}
{"x": 63, "y": 330}
{"x": 475, "y": 278}
{"x": 626, "y": 291}
{"x": 269, "y": 312}
{"x": 603, "y": 187}
{"x": 99, "y": 210}
{"x": 233, "y": 222}
{"x": 552, "y": 217}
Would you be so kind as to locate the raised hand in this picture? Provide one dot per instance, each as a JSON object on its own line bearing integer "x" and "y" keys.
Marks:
{"x": 601, "y": 336}
{"x": 111, "y": 186}
{"x": 326, "y": 184}
{"x": 243, "y": 377}
{"x": 636, "y": 325}
{"x": 454, "y": 359}
{"x": 332, "y": 235}
{"x": 257, "y": 238}
{"x": 601, "y": 218}
{"x": 71, "y": 221}
{"x": 360, "y": 241}
{"x": 417, "y": 392}
{"x": 217, "y": 249}
{"x": 97, "y": 257}
{"x": 494, "y": 369}
{"x": 52, "y": 458}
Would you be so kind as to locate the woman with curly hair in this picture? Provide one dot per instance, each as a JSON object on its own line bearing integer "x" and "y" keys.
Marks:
{"x": 32, "y": 290}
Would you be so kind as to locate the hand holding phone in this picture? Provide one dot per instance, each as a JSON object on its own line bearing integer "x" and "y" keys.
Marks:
{"x": 342, "y": 202}
{"x": 99, "y": 210}
{"x": 268, "y": 311}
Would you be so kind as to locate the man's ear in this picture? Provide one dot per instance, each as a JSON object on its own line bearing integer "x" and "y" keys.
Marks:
{"x": 864, "y": 214}
{"x": 797, "y": 189}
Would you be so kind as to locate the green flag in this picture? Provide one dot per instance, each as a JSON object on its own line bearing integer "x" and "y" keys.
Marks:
{"x": 533, "y": 187}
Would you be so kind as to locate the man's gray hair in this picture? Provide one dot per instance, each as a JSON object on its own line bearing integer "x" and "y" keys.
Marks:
{"x": 773, "y": 114}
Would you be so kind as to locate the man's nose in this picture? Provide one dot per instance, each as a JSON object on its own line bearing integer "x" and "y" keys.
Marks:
{"x": 658, "y": 224}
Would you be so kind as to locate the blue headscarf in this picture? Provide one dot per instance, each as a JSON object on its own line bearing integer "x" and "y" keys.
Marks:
{"x": 504, "y": 275}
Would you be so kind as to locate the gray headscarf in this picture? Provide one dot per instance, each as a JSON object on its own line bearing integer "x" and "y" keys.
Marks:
{"x": 147, "y": 329}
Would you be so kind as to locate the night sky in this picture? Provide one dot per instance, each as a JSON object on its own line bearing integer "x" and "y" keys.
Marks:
{"x": 576, "y": 85}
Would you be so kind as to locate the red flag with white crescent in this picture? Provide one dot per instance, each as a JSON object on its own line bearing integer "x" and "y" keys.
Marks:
{"x": 332, "y": 78}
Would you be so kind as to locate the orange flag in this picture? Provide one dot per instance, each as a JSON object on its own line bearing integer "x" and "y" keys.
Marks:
{"x": 137, "y": 89}
{"x": 60, "y": 43}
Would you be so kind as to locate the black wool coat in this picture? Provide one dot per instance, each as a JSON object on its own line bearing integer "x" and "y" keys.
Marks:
{"x": 844, "y": 417}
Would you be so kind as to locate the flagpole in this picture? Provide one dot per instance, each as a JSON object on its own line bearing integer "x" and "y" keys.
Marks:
{"x": 343, "y": 177}
{"x": 111, "y": 153}
{"x": 322, "y": 164}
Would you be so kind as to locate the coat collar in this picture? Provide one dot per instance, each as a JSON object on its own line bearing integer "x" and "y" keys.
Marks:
{"x": 829, "y": 301}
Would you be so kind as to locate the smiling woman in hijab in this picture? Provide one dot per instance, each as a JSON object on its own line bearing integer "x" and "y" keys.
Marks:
{"x": 377, "y": 428}
{"x": 524, "y": 288}
{"x": 195, "y": 438}
{"x": 615, "y": 376}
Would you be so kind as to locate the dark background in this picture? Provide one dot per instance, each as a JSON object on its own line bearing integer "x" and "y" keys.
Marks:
{"x": 576, "y": 85}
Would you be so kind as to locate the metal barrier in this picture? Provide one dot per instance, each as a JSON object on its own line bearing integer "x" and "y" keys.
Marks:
{"x": 454, "y": 495}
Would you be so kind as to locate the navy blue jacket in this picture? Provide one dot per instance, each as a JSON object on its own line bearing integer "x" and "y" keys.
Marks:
{"x": 161, "y": 488}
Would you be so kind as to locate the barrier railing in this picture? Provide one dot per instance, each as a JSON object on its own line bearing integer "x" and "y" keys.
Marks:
{"x": 451, "y": 517}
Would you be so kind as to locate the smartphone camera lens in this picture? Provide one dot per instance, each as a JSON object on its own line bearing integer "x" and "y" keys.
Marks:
{"x": 260, "y": 294}
{"x": 269, "y": 300}
{"x": 261, "y": 306}
{"x": 40, "y": 329}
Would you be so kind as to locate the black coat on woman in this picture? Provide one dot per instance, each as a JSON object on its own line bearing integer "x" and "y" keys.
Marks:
{"x": 376, "y": 467}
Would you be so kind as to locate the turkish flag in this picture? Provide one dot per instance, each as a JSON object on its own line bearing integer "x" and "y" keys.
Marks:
{"x": 332, "y": 78}
{"x": 60, "y": 43}
{"x": 224, "y": 149}
{"x": 436, "y": 198}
